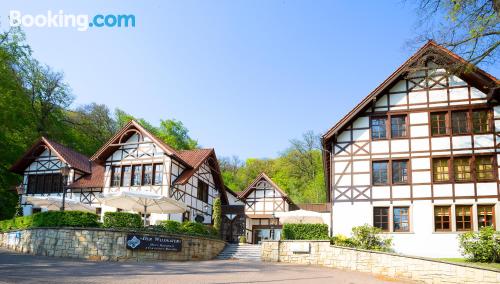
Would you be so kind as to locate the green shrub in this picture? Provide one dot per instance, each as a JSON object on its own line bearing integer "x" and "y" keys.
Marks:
{"x": 305, "y": 232}
{"x": 65, "y": 219}
{"x": 171, "y": 226}
{"x": 122, "y": 220}
{"x": 51, "y": 219}
{"x": 342, "y": 241}
{"x": 194, "y": 228}
{"x": 242, "y": 239}
{"x": 369, "y": 237}
{"x": 481, "y": 247}
{"x": 217, "y": 214}
{"x": 187, "y": 228}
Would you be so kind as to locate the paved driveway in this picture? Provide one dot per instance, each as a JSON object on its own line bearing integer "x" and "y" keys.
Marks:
{"x": 38, "y": 269}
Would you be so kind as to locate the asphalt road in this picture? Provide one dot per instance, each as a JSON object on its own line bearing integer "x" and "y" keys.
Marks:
{"x": 21, "y": 268}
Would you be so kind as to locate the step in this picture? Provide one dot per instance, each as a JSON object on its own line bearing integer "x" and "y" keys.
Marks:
{"x": 237, "y": 251}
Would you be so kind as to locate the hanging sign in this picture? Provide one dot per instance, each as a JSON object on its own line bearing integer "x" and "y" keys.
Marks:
{"x": 142, "y": 242}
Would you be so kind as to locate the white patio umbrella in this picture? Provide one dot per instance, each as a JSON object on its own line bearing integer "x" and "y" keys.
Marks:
{"x": 142, "y": 202}
{"x": 55, "y": 203}
{"x": 300, "y": 216}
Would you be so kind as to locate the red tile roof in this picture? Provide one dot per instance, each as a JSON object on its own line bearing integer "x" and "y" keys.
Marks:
{"x": 71, "y": 157}
{"x": 194, "y": 158}
{"x": 75, "y": 159}
{"x": 94, "y": 180}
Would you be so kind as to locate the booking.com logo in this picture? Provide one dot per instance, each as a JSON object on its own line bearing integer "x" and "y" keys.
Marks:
{"x": 81, "y": 22}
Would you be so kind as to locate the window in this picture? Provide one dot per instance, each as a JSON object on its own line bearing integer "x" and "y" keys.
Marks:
{"x": 399, "y": 171}
{"x": 379, "y": 172}
{"x": 485, "y": 215}
{"x": 438, "y": 123}
{"x": 440, "y": 170}
{"x": 31, "y": 184}
{"x": 379, "y": 126}
{"x": 39, "y": 184}
{"x": 115, "y": 176}
{"x": 147, "y": 175}
{"x": 463, "y": 217}
{"x": 442, "y": 216}
{"x": 481, "y": 121}
{"x": 398, "y": 126}
{"x": 401, "y": 219}
{"x": 202, "y": 191}
{"x": 57, "y": 183}
{"x": 126, "y": 175}
{"x": 484, "y": 168}
{"x": 136, "y": 175}
{"x": 381, "y": 218}
{"x": 459, "y": 122}
{"x": 462, "y": 169}
{"x": 158, "y": 174}
{"x": 44, "y": 183}
{"x": 47, "y": 183}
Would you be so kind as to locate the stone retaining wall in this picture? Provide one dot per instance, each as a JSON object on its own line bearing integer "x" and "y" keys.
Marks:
{"x": 103, "y": 244}
{"x": 379, "y": 263}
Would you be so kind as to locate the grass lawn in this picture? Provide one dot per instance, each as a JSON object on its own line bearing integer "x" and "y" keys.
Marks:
{"x": 495, "y": 266}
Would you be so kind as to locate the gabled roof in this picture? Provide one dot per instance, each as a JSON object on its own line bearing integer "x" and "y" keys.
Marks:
{"x": 195, "y": 158}
{"x": 191, "y": 159}
{"x": 126, "y": 132}
{"x": 66, "y": 155}
{"x": 482, "y": 80}
{"x": 262, "y": 176}
{"x": 479, "y": 78}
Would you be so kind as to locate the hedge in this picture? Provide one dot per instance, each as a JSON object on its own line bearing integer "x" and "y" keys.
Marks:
{"x": 305, "y": 232}
{"x": 65, "y": 219}
{"x": 51, "y": 219}
{"x": 188, "y": 228}
{"x": 122, "y": 220}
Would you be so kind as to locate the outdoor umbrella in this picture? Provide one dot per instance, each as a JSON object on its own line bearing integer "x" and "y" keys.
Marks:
{"x": 142, "y": 202}
{"x": 55, "y": 203}
{"x": 300, "y": 216}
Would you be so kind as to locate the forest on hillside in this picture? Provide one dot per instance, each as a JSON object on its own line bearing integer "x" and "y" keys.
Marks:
{"x": 35, "y": 101}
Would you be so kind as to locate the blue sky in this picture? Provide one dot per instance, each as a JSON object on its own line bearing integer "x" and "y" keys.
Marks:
{"x": 245, "y": 77}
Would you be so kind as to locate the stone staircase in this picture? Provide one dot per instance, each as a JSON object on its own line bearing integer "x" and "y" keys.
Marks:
{"x": 240, "y": 251}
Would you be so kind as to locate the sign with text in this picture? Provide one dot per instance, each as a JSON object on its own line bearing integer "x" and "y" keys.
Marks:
{"x": 136, "y": 242}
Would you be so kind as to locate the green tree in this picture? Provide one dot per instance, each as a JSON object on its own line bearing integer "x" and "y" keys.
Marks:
{"x": 175, "y": 134}
{"x": 470, "y": 28}
{"x": 298, "y": 170}
{"x": 217, "y": 214}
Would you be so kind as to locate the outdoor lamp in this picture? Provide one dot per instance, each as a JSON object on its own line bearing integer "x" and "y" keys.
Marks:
{"x": 64, "y": 173}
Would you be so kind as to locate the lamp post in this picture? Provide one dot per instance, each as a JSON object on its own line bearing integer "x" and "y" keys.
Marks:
{"x": 64, "y": 173}
{"x": 272, "y": 226}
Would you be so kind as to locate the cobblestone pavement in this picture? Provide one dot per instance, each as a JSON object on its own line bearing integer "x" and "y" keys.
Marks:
{"x": 20, "y": 268}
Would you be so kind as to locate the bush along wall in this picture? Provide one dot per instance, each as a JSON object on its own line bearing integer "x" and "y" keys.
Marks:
{"x": 52, "y": 219}
{"x": 481, "y": 247}
{"x": 364, "y": 237}
{"x": 122, "y": 220}
{"x": 188, "y": 228}
{"x": 305, "y": 232}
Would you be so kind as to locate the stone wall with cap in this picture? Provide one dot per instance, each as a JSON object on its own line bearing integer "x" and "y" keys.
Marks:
{"x": 383, "y": 264}
{"x": 104, "y": 245}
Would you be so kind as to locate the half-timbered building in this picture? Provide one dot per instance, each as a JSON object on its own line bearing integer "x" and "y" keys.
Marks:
{"x": 133, "y": 160}
{"x": 40, "y": 168}
{"x": 417, "y": 157}
{"x": 263, "y": 199}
